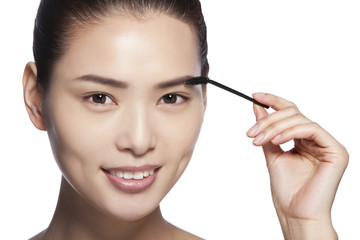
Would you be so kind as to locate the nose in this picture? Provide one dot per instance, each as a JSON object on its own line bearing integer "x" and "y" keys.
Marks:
{"x": 136, "y": 131}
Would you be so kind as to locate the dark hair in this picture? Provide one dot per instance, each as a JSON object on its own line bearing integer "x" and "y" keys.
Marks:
{"x": 57, "y": 21}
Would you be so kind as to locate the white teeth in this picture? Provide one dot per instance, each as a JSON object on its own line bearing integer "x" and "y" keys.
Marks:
{"x": 132, "y": 175}
{"x": 128, "y": 175}
{"x": 138, "y": 175}
{"x": 119, "y": 174}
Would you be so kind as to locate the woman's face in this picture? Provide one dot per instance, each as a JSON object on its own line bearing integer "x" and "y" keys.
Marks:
{"x": 121, "y": 123}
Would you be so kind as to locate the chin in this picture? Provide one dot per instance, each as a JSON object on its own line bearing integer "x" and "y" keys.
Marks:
{"x": 130, "y": 213}
{"x": 124, "y": 206}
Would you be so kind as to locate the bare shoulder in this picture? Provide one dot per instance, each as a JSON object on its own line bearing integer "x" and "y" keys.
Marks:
{"x": 180, "y": 234}
{"x": 177, "y": 234}
{"x": 39, "y": 236}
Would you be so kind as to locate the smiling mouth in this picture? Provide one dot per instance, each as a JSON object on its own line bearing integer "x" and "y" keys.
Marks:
{"x": 132, "y": 175}
{"x": 132, "y": 179}
{"x": 128, "y": 175}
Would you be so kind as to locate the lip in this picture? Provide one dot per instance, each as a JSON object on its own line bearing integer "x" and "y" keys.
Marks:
{"x": 132, "y": 185}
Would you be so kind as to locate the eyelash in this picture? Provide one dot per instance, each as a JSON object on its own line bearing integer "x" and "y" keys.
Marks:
{"x": 176, "y": 97}
{"x": 106, "y": 98}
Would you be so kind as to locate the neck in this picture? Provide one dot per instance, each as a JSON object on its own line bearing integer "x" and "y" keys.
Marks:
{"x": 75, "y": 218}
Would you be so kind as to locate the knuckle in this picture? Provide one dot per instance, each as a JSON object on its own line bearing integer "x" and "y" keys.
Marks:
{"x": 293, "y": 108}
{"x": 262, "y": 123}
{"x": 271, "y": 129}
{"x": 303, "y": 118}
{"x": 314, "y": 125}
{"x": 345, "y": 154}
{"x": 292, "y": 105}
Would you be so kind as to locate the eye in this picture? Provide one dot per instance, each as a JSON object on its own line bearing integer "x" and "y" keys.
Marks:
{"x": 100, "y": 99}
{"x": 173, "y": 98}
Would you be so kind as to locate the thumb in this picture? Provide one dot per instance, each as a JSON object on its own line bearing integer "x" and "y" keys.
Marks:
{"x": 259, "y": 112}
{"x": 271, "y": 151}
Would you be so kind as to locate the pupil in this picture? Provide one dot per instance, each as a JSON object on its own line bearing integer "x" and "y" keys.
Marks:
{"x": 170, "y": 98}
{"x": 99, "y": 98}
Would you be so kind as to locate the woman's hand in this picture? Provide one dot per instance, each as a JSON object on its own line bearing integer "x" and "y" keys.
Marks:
{"x": 304, "y": 180}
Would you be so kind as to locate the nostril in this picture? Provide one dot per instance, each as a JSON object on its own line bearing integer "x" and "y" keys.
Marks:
{"x": 136, "y": 133}
{"x": 135, "y": 151}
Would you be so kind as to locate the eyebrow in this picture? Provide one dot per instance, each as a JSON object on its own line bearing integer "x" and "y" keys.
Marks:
{"x": 103, "y": 80}
{"x": 174, "y": 82}
{"x": 121, "y": 84}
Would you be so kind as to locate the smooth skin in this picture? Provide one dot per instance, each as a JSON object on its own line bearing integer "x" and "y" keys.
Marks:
{"x": 117, "y": 100}
{"x": 304, "y": 180}
{"x": 135, "y": 126}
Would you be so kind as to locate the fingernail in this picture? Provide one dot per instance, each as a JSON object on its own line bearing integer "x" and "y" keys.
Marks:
{"x": 259, "y": 138}
{"x": 260, "y": 94}
{"x": 253, "y": 130}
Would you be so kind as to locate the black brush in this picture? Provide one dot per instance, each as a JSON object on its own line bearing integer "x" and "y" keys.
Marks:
{"x": 205, "y": 80}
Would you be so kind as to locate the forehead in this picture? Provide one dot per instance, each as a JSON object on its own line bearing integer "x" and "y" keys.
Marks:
{"x": 129, "y": 47}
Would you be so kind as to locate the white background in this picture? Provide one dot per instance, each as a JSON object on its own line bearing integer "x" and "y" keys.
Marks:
{"x": 306, "y": 51}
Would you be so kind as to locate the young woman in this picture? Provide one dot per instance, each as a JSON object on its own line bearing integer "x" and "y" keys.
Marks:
{"x": 108, "y": 86}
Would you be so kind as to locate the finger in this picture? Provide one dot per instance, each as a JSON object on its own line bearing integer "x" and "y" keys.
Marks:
{"x": 273, "y": 101}
{"x": 312, "y": 140}
{"x": 308, "y": 131}
{"x": 273, "y": 131}
{"x": 271, "y": 119}
{"x": 271, "y": 151}
{"x": 260, "y": 112}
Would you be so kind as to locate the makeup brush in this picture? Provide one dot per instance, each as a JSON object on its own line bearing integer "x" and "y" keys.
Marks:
{"x": 205, "y": 80}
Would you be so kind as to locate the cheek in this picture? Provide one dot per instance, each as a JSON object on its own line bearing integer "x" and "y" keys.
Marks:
{"x": 82, "y": 141}
{"x": 76, "y": 139}
{"x": 180, "y": 133}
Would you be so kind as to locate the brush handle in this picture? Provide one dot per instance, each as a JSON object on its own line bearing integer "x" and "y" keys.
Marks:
{"x": 205, "y": 80}
{"x": 237, "y": 93}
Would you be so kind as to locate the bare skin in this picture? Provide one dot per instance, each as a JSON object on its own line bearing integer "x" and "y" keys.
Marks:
{"x": 142, "y": 120}
{"x": 134, "y": 124}
{"x": 86, "y": 217}
{"x": 304, "y": 180}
